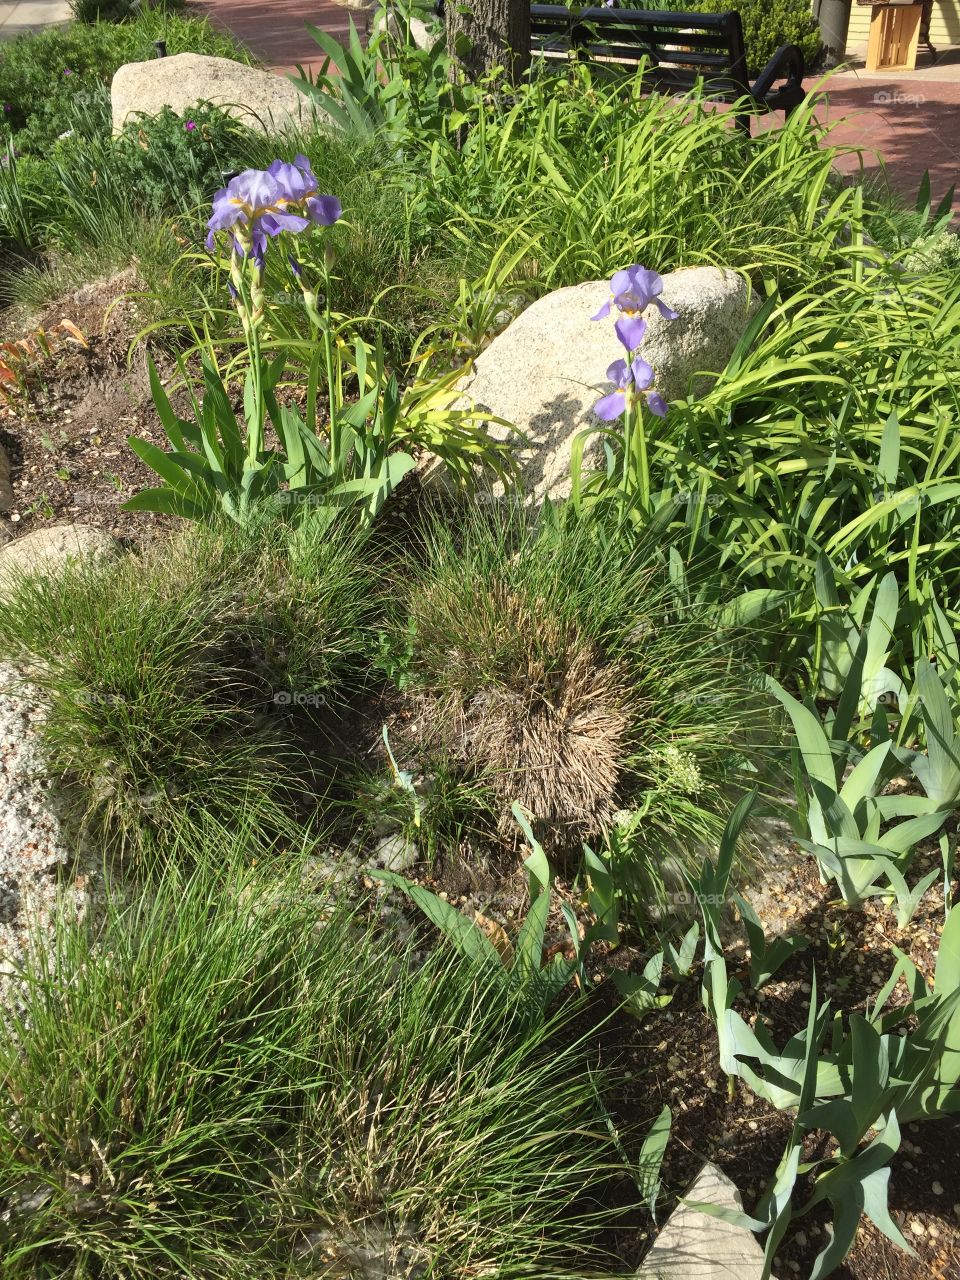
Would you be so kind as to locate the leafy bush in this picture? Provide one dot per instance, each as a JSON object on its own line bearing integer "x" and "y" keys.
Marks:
{"x": 118, "y": 10}
{"x": 563, "y": 669}
{"x": 767, "y": 24}
{"x": 44, "y": 77}
{"x": 230, "y": 1077}
{"x": 896, "y": 1063}
{"x": 822, "y": 458}
{"x": 175, "y": 681}
{"x": 165, "y": 164}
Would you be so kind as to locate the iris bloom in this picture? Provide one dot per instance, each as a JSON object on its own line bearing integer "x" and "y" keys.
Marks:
{"x": 261, "y": 203}
{"x": 631, "y": 291}
{"x": 636, "y": 376}
{"x": 298, "y": 183}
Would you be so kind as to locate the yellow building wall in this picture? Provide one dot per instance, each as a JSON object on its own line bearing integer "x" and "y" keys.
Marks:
{"x": 944, "y": 25}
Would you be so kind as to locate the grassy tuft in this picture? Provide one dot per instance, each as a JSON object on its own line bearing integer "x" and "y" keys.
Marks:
{"x": 231, "y": 1078}
{"x": 569, "y": 675}
{"x": 180, "y": 681}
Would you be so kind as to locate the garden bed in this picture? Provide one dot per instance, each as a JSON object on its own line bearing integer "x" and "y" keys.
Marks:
{"x": 416, "y": 809}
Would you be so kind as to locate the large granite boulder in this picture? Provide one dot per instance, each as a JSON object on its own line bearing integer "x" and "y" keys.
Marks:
{"x": 49, "y": 550}
{"x": 547, "y": 369}
{"x": 262, "y": 100}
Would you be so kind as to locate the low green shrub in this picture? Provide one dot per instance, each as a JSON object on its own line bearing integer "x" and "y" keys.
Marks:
{"x": 231, "y": 1077}
{"x": 564, "y": 670}
{"x": 119, "y": 10}
{"x": 176, "y": 680}
{"x": 767, "y": 24}
{"x": 46, "y": 76}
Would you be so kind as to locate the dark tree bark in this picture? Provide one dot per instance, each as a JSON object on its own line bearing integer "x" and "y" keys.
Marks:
{"x": 489, "y": 33}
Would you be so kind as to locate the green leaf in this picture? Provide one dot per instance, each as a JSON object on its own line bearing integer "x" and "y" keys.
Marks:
{"x": 813, "y": 742}
{"x": 651, "y": 1159}
{"x": 681, "y": 961}
{"x": 641, "y": 991}
{"x": 539, "y": 875}
{"x": 466, "y": 936}
{"x": 166, "y": 502}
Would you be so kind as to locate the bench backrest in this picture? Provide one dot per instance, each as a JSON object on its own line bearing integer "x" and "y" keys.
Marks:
{"x": 680, "y": 48}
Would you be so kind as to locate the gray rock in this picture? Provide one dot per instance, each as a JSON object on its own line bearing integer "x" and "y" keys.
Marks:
{"x": 49, "y": 550}
{"x": 261, "y": 99}
{"x": 6, "y": 488}
{"x": 395, "y": 853}
{"x": 694, "y": 1246}
{"x": 547, "y": 369}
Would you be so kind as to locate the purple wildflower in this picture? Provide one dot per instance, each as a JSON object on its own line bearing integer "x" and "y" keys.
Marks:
{"x": 632, "y": 290}
{"x": 248, "y": 207}
{"x": 67, "y": 71}
{"x": 299, "y": 185}
{"x": 260, "y": 203}
{"x": 7, "y": 108}
{"x": 638, "y": 376}
{"x": 190, "y": 125}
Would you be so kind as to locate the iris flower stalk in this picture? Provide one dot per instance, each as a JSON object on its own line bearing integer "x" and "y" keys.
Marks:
{"x": 632, "y": 291}
{"x": 254, "y": 207}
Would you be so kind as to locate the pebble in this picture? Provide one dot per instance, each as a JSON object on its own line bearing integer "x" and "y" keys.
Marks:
{"x": 917, "y": 1227}
{"x": 936, "y": 1188}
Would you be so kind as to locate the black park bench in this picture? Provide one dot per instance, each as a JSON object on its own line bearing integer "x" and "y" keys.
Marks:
{"x": 678, "y": 50}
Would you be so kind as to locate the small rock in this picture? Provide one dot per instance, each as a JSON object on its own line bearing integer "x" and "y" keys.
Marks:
{"x": 694, "y": 1244}
{"x": 395, "y": 853}
{"x": 937, "y": 1188}
{"x": 917, "y": 1227}
{"x": 49, "y": 550}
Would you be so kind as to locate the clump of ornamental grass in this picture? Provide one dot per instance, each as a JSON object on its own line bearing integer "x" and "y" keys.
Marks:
{"x": 179, "y": 681}
{"x": 231, "y": 1077}
{"x": 564, "y": 668}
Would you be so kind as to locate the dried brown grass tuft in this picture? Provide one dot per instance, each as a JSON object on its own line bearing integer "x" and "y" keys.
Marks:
{"x": 551, "y": 730}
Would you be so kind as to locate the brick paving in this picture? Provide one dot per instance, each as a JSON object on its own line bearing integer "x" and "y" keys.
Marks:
{"x": 277, "y": 34}
{"x": 912, "y": 120}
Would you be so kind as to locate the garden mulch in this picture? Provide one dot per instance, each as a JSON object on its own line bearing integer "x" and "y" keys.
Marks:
{"x": 65, "y": 430}
{"x": 670, "y": 1057}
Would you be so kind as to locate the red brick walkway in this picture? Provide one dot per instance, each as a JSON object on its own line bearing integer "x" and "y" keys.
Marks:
{"x": 913, "y": 121}
{"x": 276, "y": 33}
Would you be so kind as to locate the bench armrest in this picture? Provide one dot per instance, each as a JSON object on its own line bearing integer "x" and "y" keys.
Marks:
{"x": 786, "y": 64}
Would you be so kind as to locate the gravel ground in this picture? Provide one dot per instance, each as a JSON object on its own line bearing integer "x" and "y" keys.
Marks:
{"x": 33, "y": 847}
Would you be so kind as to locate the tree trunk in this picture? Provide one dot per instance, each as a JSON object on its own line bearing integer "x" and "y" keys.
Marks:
{"x": 489, "y": 33}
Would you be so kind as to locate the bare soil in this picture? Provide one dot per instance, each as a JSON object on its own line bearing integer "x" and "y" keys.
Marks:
{"x": 65, "y": 428}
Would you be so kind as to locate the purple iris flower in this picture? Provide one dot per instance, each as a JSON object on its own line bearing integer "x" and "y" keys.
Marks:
{"x": 299, "y": 185}
{"x": 260, "y": 203}
{"x": 251, "y": 204}
{"x": 632, "y": 290}
{"x": 638, "y": 375}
